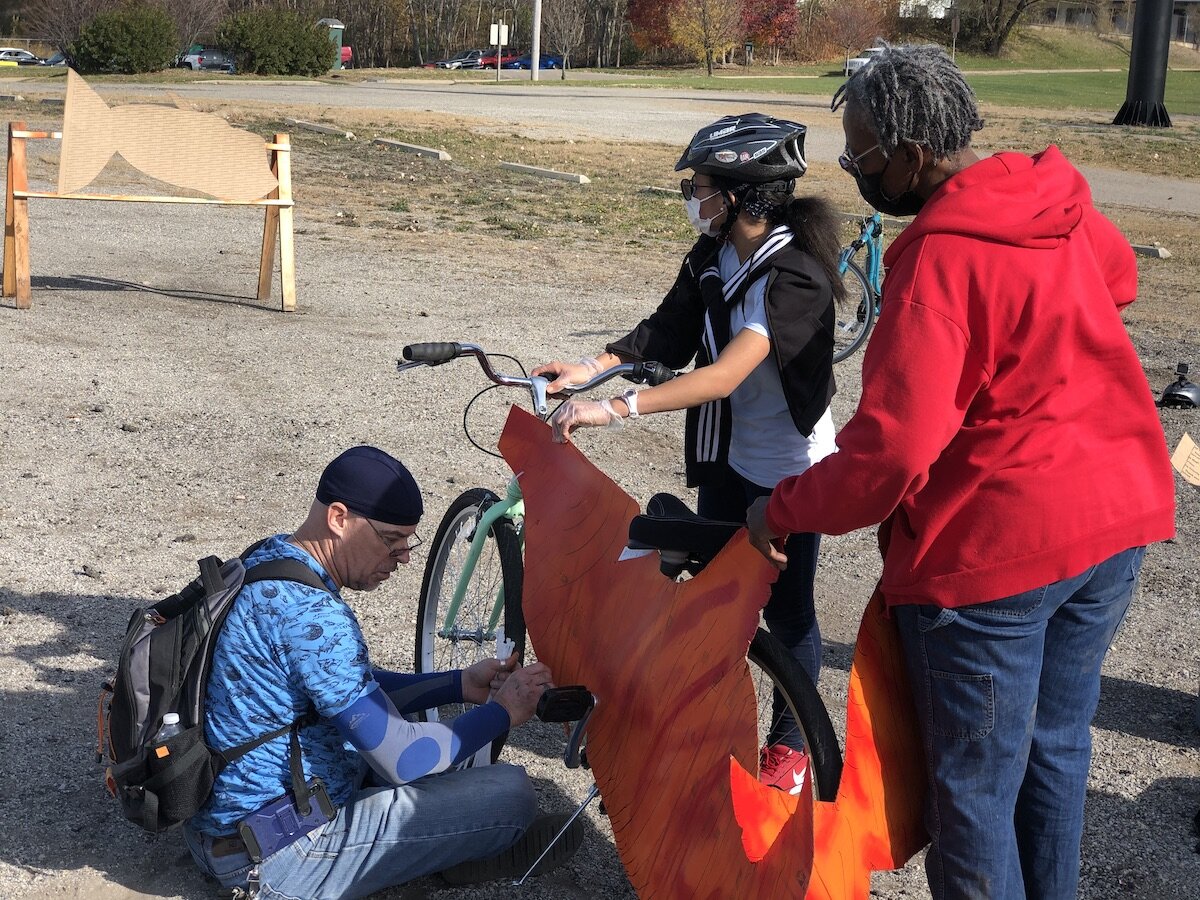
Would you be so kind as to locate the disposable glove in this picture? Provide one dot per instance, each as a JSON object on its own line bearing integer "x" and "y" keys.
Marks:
{"x": 583, "y": 414}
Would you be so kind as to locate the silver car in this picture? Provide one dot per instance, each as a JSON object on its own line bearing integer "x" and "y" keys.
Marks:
{"x": 464, "y": 59}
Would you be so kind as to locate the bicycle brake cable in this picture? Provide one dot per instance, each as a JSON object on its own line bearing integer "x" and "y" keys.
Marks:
{"x": 491, "y": 387}
{"x": 467, "y": 431}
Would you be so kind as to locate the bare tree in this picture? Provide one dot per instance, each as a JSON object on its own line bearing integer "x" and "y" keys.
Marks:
{"x": 59, "y": 21}
{"x": 195, "y": 18}
{"x": 988, "y": 23}
{"x": 563, "y": 23}
{"x": 852, "y": 24}
{"x": 707, "y": 27}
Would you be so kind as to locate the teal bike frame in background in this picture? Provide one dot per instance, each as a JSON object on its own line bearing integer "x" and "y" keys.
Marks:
{"x": 864, "y": 286}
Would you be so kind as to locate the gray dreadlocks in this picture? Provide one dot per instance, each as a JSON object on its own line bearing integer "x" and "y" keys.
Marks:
{"x": 914, "y": 94}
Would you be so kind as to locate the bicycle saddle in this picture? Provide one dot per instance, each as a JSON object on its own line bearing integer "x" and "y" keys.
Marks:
{"x": 685, "y": 540}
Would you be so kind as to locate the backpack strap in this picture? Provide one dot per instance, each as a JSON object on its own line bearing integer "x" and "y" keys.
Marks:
{"x": 283, "y": 569}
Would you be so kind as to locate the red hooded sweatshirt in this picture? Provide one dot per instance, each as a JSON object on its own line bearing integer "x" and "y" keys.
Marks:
{"x": 1006, "y": 435}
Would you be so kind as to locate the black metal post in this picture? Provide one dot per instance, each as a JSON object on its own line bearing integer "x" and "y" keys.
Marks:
{"x": 1148, "y": 66}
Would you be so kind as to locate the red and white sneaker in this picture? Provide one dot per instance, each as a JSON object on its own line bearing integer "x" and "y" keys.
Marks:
{"x": 783, "y": 767}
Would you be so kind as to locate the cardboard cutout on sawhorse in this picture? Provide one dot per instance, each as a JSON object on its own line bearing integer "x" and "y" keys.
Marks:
{"x": 192, "y": 150}
{"x": 673, "y": 740}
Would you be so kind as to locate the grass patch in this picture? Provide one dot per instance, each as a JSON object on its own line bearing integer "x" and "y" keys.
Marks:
{"x": 1080, "y": 90}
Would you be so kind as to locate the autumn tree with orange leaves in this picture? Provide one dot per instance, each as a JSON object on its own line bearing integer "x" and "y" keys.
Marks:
{"x": 770, "y": 23}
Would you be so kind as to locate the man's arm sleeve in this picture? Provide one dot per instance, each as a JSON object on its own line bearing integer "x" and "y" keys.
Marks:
{"x": 411, "y": 693}
{"x": 401, "y": 751}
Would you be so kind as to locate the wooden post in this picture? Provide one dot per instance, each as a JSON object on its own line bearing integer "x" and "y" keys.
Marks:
{"x": 10, "y": 256}
{"x": 287, "y": 238}
{"x": 278, "y": 225}
{"x": 16, "y": 222}
{"x": 266, "y": 264}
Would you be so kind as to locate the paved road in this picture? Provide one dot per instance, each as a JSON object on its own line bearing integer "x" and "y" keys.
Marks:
{"x": 581, "y": 110}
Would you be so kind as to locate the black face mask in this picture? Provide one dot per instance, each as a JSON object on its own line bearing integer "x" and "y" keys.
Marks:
{"x": 871, "y": 188}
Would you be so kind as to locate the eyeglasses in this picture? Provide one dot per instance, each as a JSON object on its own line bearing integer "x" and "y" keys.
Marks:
{"x": 410, "y": 541}
{"x": 687, "y": 187}
{"x": 850, "y": 163}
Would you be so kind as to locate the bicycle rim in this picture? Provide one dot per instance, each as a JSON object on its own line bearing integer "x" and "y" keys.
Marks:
{"x": 853, "y": 316}
{"x": 780, "y": 682}
{"x": 440, "y": 644}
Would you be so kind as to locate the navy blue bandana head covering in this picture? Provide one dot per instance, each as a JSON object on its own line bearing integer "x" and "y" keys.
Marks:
{"x": 372, "y": 484}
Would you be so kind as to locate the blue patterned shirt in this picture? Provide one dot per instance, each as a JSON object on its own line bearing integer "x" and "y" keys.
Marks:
{"x": 284, "y": 645}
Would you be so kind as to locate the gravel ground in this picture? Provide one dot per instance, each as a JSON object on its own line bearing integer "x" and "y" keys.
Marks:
{"x": 153, "y": 414}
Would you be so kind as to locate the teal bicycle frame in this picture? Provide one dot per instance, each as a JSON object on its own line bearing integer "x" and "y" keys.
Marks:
{"x": 512, "y": 507}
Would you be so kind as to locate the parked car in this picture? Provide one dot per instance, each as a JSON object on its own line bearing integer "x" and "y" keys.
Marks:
{"x": 198, "y": 57}
{"x": 464, "y": 59}
{"x": 488, "y": 60}
{"x": 857, "y": 62}
{"x": 545, "y": 61}
{"x": 18, "y": 56}
{"x": 58, "y": 59}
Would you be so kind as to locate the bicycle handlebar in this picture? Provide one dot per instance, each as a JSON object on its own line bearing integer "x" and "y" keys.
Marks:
{"x": 435, "y": 354}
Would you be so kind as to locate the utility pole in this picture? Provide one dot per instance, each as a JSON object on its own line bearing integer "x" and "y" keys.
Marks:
{"x": 535, "y": 54}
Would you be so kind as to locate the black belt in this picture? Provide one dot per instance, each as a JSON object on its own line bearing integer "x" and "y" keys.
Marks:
{"x": 230, "y": 845}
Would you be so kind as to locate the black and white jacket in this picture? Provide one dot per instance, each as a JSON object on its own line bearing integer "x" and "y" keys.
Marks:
{"x": 693, "y": 321}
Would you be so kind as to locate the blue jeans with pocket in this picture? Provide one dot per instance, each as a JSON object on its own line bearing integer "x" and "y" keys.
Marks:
{"x": 388, "y": 835}
{"x": 1005, "y": 692}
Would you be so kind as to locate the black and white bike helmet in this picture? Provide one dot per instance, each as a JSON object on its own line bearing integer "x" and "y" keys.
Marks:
{"x": 750, "y": 149}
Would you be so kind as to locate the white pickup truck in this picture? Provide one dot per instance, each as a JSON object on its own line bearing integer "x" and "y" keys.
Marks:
{"x": 857, "y": 62}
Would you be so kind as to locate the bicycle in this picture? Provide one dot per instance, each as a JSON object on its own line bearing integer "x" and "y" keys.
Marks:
{"x": 472, "y": 584}
{"x": 863, "y": 289}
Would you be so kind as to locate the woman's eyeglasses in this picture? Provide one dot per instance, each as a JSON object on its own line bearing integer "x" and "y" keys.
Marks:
{"x": 850, "y": 163}
{"x": 687, "y": 187}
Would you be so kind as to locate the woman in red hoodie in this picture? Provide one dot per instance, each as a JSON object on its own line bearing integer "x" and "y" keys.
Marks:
{"x": 1007, "y": 440}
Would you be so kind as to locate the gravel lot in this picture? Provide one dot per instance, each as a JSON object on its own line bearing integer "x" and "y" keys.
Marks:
{"x": 153, "y": 414}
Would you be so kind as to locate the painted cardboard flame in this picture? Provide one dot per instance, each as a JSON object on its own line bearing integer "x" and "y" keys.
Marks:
{"x": 673, "y": 740}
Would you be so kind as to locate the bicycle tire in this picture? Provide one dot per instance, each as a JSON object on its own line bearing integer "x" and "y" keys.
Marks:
{"x": 773, "y": 668}
{"x": 854, "y": 315}
{"x": 499, "y": 565}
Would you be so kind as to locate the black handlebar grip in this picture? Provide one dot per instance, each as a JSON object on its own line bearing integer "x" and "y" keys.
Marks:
{"x": 653, "y": 373}
{"x": 433, "y": 354}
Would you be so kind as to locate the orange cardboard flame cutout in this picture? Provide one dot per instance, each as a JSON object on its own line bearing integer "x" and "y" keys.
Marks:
{"x": 673, "y": 741}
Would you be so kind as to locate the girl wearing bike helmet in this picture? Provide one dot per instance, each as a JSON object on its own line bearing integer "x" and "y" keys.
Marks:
{"x": 753, "y": 305}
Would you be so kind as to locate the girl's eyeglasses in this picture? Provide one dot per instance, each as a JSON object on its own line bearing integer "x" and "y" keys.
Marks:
{"x": 687, "y": 187}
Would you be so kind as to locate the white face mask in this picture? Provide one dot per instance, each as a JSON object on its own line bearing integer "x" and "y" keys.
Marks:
{"x": 704, "y": 226}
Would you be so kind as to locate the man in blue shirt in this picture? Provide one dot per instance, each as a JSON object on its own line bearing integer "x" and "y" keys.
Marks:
{"x": 405, "y": 804}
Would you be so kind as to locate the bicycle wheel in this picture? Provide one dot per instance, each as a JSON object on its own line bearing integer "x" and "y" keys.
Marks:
{"x": 854, "y": 315}
{"x": 442, "y": 645}
{"x": 782, "y": 686}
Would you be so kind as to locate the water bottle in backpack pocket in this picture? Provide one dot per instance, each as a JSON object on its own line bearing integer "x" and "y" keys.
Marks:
{"x": 161, "y": 771}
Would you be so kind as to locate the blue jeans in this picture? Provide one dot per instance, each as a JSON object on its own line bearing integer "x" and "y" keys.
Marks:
{"x": 790, "y": 612}
{"x": 389, "y": 835}
{"x": 1005, "y": 692}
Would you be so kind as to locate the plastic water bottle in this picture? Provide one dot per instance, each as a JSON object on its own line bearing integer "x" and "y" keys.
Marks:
{"x": 170, "y": 728}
